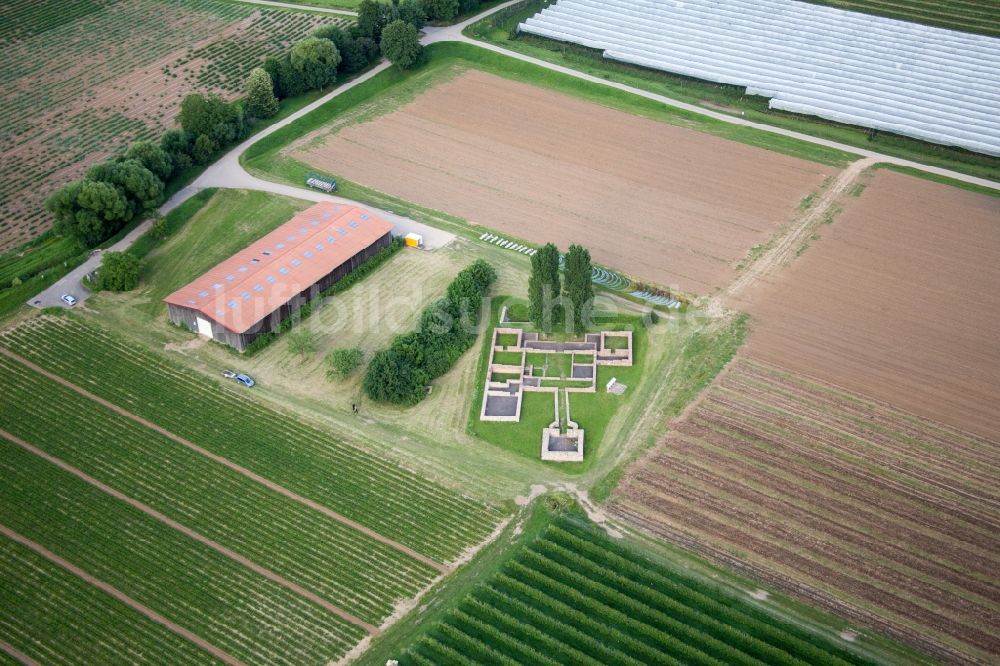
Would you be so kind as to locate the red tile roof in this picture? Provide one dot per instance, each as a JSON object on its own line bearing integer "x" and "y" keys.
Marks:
{"x": 253, "y": 283}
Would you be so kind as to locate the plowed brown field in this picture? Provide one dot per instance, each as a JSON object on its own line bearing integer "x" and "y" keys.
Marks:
{"x": 835, "y": 497}
{"x": 899, "y": 300}
{"x": 663, "y": 203}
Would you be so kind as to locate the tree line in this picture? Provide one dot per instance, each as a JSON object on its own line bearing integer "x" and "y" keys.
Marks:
{"x": 132, "y": 184}
{"x": 447, "y": 328}
{"x": 550, "y": 302}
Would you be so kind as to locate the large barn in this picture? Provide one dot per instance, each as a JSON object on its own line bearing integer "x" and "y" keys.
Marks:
{"x": 254, "y": 290}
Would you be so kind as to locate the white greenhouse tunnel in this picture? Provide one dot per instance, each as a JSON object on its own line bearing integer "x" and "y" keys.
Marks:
{"x": 929, "y": 83}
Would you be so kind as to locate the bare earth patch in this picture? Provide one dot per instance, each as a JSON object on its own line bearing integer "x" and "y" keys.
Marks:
{"x": 898, "y": 300}
{"x": 664, "y": 203}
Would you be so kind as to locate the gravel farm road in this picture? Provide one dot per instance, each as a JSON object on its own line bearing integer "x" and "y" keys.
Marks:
{"x": 227, "y": 172}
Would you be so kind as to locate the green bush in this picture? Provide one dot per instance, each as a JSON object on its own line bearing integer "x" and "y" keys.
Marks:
{"x": 119, "y": 272}
{"x": 341, "y": 363}
{"x": 401, "y": 373}
{"x": 303, "y": 342}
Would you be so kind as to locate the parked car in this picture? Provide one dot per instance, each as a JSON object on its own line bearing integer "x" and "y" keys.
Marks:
{"x": 70, "y": 299}
{"x": 246, "y": 380}
{"x": 229, "y": 374}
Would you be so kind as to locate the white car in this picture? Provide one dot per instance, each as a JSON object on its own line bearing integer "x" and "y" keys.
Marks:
{"x": 70, "y": 299}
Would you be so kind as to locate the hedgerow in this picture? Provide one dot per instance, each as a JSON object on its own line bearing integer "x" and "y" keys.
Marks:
{"x": 446, "y": 330}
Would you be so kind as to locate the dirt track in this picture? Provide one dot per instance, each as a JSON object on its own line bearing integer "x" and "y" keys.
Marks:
{"x": 665, "y": 204}
{"x": 898, "y": 300}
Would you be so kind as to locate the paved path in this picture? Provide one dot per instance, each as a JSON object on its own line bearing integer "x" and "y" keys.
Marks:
{"x": 229, "y": 173}
{"x": 188, "y": 532}
{"x": 120, "y": 596}
{"x": 267, "y": 483}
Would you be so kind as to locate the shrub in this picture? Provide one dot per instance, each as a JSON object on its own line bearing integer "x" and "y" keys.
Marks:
{"x": 119, "y": 272}
{"x": 341, "y": 363}
{"x": 401, "y": 45}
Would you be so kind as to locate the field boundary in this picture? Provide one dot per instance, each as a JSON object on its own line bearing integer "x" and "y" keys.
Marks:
{"x": 120, "y": 596}
{"x": 271, "y": 485}
{"x": 188, "y": 532}
{"x": 807, "y": 593}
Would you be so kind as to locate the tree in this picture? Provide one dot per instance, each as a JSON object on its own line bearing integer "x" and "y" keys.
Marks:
{"x": 316, "y": 61}
{"x": 401, "y": 45}
{"x": 89, "y": 211}
{"x": 303, "y": 342}
{"x": 373, "y": 17}
{"x": 286, "y": 80}
{"x": 158, "y": 229}
{"x": 142, "y": 189}
{"x": 211, "y": 116}
{"x": 340, "y": 363}
{"x": 119, "y": 271}
{"x": 579, "y": 287}
{"x": 543, "y": 287}
{"x": 391, "y": 377}
{"x": 261, "y": 102}
{"x": 178, "y": 144}
{"x": 441, "y": 10}
{"x": 203, "y": 150}
{"x": 413, "y": 12}
{"x": 358, "y": 53}
{"x": 153, "y": 157}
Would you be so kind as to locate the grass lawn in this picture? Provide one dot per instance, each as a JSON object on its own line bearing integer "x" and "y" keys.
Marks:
{"x": 507, "y": 339}
{"x": 614, "y": 342}
{"x": 591, "y": 411}
{"x": 499, "y": 29}
{"x": 506, "y": 358}
{"x": 583, "y": 359}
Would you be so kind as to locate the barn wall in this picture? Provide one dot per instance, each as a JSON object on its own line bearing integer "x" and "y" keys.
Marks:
{"x": 240, "y": 341}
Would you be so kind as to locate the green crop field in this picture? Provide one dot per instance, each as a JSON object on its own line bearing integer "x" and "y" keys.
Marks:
{"x": 250, "y": 617}
{"x": 52, "y": 616}
{"x": 86, "y": 78}
{"x": 342, "y": 565}
{"x": 230, "y": 422}
{"x": 981, "y": 16}
{"x": 575, "y": 596}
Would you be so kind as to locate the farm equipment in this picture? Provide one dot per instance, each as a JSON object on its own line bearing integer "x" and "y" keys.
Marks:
{"x": 319, "y": 182}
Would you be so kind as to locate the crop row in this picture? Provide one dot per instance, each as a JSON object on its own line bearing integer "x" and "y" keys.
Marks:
{"x": 573, "y": 596}
{"x": 248, "y": 616}
{"x": 54, "y": 617}
{"x": 231, "y": 423}
{"x": 334, "y": 561}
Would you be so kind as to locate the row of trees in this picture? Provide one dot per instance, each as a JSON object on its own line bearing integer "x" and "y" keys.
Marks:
{"x": 548, "y": 302}
{"x": 447, "y": 328}
{"x": 129, "y": 186}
